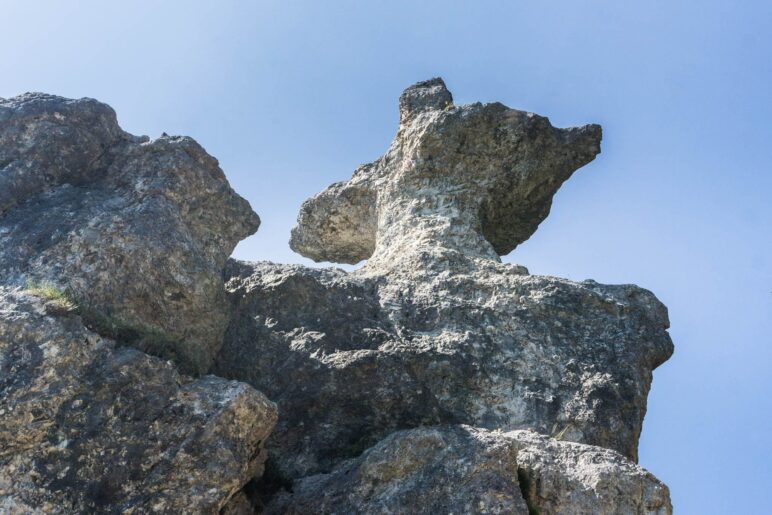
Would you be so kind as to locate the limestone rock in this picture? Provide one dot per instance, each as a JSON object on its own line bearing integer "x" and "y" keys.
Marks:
{"x": 348, "y": 360}
{"x": 461, "y": 469}
{"x": 477, "y": 178}
{"x": 86, "y": 427}
{"x": 562, "y": 477}
{"x": 434, "y": 329}
{"x": 426, "y": 381}
{"x": 137, "y": 230}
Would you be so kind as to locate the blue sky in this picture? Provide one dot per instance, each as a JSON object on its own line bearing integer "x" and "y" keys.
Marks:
{"x": 291, "y": 96}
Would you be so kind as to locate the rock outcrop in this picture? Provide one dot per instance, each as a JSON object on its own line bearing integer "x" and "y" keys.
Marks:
{"x": 137, "y": 230}
{"x": 475, "y": 179}
{"x": 86, "y": 427}
{"x": 350, "y": 358}
{"x": 434, "y": 329}
{"x": 434, "y": 379}
{"x": 461, "y": 469}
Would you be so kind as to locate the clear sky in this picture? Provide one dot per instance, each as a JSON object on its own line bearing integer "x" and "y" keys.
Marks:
{"x": 292, "y": 95}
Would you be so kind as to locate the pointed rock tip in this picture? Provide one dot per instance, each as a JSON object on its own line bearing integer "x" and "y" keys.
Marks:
{"x": 424, "y": 95}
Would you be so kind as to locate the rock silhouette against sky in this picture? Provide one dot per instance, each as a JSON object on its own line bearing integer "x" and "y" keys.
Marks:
{"x": 434, "y": 378}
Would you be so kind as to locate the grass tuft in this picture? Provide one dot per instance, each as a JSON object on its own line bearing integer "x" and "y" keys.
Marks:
{"x": 54, "y": 296}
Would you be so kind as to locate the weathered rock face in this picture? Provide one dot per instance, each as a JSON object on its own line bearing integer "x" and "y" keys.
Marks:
{"x": 460, "y": 469}
{"x": 86, "y": 427}
{"x": 477, "y": 179}
{"x": 350, "y": 358}
{"x": 474, "y": 386}
{"x": 563, "y": 477}
{"x": 427, "y": 470}
{"x": 434, "y": 329}
{"x": 137, "y": 230}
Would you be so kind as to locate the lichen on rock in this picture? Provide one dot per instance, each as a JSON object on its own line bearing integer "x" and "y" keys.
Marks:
{"x": 476, "y": 178}
{"x": 462, "y": 469}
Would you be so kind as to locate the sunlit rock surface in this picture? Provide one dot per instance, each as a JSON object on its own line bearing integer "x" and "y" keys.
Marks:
{"x": 434, "y": 329}
{"x": 434, "y": 379}
{"x": 86, "y": 427}
{"x": 461, "y": 469}
{"x": 138, "y": 230}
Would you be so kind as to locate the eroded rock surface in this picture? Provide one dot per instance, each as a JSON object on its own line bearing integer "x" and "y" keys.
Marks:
{"x": 86, "y": 427}
{"x": 434, "y": 379}
{"x": 434, "y": 329}
{"x": 477, "y": 179}
{"x": 348, "y": 360}
{"x": 563, "y": 477}
{"x": 137, "y": 230}
{"x": 461, "y": 469}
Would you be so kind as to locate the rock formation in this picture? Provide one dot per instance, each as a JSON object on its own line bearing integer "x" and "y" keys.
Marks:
{"x": 136, "y": 230}
{"x": 460, "y": 469}
{"x": 125, "y": 239}
{"x": 86, "y": 427}
{"x": 433, "y": 379}
{"x": 434, "y": 329}
{"x": 474, "y": 180}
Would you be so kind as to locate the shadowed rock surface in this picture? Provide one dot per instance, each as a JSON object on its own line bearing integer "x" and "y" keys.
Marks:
{"x": 434, "y": 329}
{"x": 86, "y": 427}
{"x": 461, "y": 469}
{"x": 419, "y": 471}
{"x": 137, "y": 230}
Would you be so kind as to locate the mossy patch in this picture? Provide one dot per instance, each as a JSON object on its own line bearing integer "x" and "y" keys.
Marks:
{"x": 147, "y": 339}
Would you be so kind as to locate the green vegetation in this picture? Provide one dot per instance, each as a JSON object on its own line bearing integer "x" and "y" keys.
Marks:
{"x": 147, "y": 339}
{"x": 54, "y": 296}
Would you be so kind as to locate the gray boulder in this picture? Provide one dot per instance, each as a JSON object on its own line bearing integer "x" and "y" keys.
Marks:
{"x": 137, "y": 230}
{"x": 86, "y": 427}
{"x": 434, "y": 329}
{"x": 461, "y": 469}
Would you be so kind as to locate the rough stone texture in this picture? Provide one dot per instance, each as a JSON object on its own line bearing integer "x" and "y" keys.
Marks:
{"x": 563, "y": 477}
{"x": 86, "y": 427}
{"x": 350, "y": 358}
{"x": 376, "y": 372}
{"x": 138, "y": 230}
{"x": 434, "y": 329}
{"x": 428, "y": 470}
{"x": 461, "y": 469}
{"x": 477, "y": 179}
